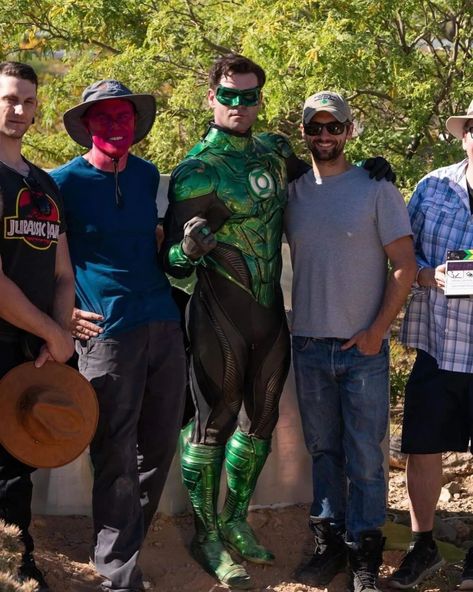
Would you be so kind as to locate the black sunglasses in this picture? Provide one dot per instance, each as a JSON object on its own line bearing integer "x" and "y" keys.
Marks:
{"x": 39, "y": 198}
{"x": 469, "y": 130}
{"x": 335, "y": 128}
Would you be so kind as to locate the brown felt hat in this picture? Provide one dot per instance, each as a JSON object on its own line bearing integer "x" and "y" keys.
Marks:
{"x": 48, "y": 415}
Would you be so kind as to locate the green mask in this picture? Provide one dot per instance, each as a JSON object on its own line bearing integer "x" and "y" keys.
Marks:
{"x": 232, "y": 97}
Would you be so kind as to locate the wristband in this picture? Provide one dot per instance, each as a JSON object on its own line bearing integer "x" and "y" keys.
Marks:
{"x": 193, "y": 262}
{"x": 178, "y": 258}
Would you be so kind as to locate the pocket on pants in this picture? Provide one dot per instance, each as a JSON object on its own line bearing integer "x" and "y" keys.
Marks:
{"x": 300, "y": 343}
{"x": 382, "y": 350}
{"x": 89, "y": 361}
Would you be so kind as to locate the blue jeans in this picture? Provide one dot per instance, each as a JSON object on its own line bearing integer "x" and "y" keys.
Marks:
{"x": 344, "y": 406}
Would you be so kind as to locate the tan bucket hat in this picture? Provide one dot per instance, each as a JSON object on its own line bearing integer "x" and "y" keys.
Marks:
{"x": 48, "y": 415}
{"x": 456, "y": 123}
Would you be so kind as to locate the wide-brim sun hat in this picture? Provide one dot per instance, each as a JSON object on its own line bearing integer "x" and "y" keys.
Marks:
{"x": 145, "y": 106}
{"x": 49, "y": 414}
{"x": 456, "y": 123}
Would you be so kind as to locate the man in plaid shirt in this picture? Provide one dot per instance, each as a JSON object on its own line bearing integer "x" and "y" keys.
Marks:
{"x": 438, "y": 409}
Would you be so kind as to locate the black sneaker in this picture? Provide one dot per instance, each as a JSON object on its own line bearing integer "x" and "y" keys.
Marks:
{"x": 467, "y": 575}
{"x": 366, "y": 558}
{"x": 329, "y": 558}
{"x": 29, "y": 571}
{"x": 419, "y": 562}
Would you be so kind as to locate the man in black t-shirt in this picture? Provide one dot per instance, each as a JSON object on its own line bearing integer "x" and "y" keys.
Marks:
{"x": 36, "y": 279}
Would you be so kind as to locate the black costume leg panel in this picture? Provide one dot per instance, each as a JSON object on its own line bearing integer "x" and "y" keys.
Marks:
{"x": 267, "y": 373}
{"x": 218, "y": 362}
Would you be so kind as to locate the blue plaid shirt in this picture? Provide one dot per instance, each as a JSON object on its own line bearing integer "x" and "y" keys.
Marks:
{"x": 441, "y": 221}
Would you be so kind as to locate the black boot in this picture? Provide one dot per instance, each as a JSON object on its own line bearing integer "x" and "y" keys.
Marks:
{"x": 366, "y": 558}
{"x": 329, "y": 558}
{"x": 467, "y": 575}
{"x": 29, "y": 571}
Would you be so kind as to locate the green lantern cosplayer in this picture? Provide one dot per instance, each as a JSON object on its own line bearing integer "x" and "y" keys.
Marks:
{"x": 226, "y": 213}
{"x": 225, "y": 218}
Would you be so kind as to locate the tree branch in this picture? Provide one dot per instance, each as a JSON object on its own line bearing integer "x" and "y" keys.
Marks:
{"x": 370, "y": 92}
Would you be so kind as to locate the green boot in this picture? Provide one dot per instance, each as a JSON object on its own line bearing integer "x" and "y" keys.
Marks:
{"x": 201, "y": 468}
{"x": 245, "y": 457}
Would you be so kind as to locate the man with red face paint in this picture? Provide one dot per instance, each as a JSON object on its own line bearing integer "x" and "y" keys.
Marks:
{"x": 127, "y": 326}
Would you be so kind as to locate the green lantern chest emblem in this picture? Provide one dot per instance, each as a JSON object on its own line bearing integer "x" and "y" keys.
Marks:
{"x": 261, "y": 183}
{"x": 247, "y": 174}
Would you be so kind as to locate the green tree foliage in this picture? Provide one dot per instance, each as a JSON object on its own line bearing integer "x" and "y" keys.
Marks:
{"x": 404, "y": 66}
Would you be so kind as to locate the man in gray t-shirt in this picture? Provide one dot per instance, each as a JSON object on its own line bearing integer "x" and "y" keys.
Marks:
{"x": 343, "y": 228}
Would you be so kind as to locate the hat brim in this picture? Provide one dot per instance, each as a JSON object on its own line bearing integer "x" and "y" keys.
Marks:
{"x": 13, "y": 436}
{"x": 309, "y": 112}
{"x": 145, "y": 106}
{"x": 456, "y": 124}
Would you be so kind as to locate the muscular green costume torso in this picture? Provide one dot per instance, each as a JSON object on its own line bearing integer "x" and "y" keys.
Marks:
{"x": 240, "y": 185}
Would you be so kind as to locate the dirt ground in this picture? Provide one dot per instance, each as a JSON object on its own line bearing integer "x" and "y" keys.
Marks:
{"x": 63, "y": 544}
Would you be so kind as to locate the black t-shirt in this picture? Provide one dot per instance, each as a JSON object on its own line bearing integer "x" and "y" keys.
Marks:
{"x": 470, "y": 196}
{"x": 33, "y": 218}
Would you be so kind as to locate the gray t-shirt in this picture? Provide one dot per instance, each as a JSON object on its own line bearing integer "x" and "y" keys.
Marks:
{"x": 336, "y": 228}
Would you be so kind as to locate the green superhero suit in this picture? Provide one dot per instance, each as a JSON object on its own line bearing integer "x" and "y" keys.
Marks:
{"x": 247, "y": 179}
{"x": 237, "y": 330}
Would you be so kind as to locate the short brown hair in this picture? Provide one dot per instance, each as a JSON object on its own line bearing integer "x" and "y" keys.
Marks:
{"x": 234, "y": 63}
{"x": 19, "y": 70}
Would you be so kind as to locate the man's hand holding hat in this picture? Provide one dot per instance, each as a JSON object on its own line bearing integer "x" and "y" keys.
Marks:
{"x": 49, "y": 414}
{"x": 59, "y": 346}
